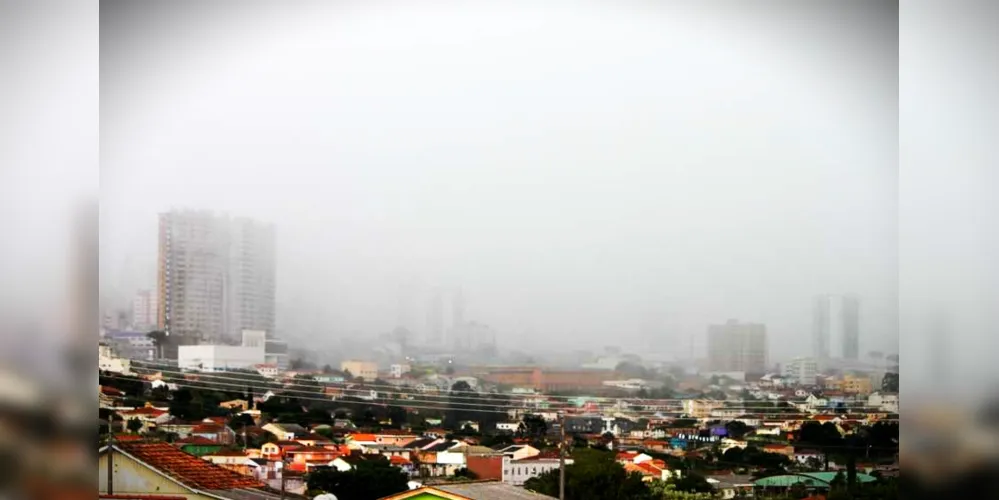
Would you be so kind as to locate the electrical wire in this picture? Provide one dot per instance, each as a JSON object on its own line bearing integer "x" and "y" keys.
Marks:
{"x": 503, "y": 397}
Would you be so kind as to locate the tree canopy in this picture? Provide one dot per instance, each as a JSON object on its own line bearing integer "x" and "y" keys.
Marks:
{"x": 369, "y": 480}
{"x": 594, "y": 475}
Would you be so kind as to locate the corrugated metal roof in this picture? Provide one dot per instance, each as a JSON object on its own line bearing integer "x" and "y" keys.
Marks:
{"x": 490, "y": 491}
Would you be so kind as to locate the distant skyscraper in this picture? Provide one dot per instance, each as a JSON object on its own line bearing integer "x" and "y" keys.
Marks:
{"x": 216, "y": 276}
{"x": 836, "y": 327}
{"x": 737, "y": 347}
{"x": 458, "y": 309}
{"x": 144, "y": 310}
{"x": 851, "y": 327}
{"x": 435, "y": 319}
{"x": 250, "y": 283}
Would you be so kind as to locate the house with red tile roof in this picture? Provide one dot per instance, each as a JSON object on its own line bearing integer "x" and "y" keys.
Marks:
{"x": 312, "y": 454}
{"x": 148, "y": 415}
{"x": 634, "y": 457}
{"x": 219, "y": 433}
{"x": 161, "y": 469}
{"x": 110, "y": 391}
{"x": 277, "y": 451}
{"x": 234, "y": 460}
{"x": 122, "y": 438}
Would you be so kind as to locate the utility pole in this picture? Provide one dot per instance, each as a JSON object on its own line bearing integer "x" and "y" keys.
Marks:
{"x": 282, "y": 480}
{"x": 561, "y": 457}
{"x": 111, "y": 455}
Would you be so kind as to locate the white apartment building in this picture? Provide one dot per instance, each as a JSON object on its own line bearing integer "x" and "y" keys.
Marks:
{"x": 801, "y": 371}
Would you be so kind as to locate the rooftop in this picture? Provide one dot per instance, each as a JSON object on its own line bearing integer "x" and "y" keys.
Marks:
{"x": 472, "y": 490}
{"x": 186, "y": 468}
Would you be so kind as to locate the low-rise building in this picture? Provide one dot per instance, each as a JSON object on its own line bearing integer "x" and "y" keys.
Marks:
{"x": 884, "y": 401}
{"x": 507, "y": 426}
{"x": 366, "y": 370}
{"x": 144, "y": 469}
{"x": 235, "y": 404}
{"x": 286, "y": 431}
{"x": 269, "y": 370}
{"x": 148, "y": 415}
{"x": 801, "y": 371}
{"x": 517, "y": 472}
{"x": 109, "y": 361}
{"x": 399, "y": 369}
{"x": 235, "y": 461}
{"x": 216, "y": 358}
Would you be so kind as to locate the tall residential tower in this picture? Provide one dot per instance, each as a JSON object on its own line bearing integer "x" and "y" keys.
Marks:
{"x": 836, "y": 327}
{"x": 216, "y": 276}
{"x": 737, "y": 347}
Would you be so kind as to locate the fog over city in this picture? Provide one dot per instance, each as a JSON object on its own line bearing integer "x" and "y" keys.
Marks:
{"x": 588, "y": 175}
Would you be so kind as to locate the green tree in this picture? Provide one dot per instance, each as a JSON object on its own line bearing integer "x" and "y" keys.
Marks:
{"x": 820, "y": 435}
{"x": 889, "y": 383}
{"x": 464, "y": 472}
{"x": 160, "y": 340}
{"x": 240, "y": 421}
{"x": 691, "y": 482}
{"x": 182, "y": 405}
{"x": 369, "y": 480}
{"x": 593, "y": 475}
{"x": 133, "y": 425}
{"x": 532, "y": 426}
{"x": 737, "y": 429}
{"x": 667, "y": 491}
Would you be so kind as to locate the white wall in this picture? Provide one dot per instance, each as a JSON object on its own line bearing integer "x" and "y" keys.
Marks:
{"x": 451, "y": 458}
{"x": 517, "y": 472}
{"x": 218, "y": 357}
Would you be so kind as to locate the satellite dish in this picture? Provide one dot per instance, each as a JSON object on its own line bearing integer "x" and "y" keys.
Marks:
{"x": 326, "y": 496}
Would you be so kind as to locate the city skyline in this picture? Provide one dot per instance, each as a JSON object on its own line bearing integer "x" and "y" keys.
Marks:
{"x": 594, "y": 198}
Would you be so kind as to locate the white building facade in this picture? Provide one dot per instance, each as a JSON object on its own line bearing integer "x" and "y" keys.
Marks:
{"x": 213, "y": 358}
{"x": 801, "y": 371}
{"x": 517, "y": 472}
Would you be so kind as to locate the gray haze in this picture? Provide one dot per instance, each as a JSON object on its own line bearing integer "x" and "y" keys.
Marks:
{"x": 595, "y": 173}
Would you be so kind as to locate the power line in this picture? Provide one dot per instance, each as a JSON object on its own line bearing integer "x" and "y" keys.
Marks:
{"x": 450, "y": 399}
{"x": 763, "y": 404}
{"x": 310, "y": 395}
{"x": 306, "y": 398}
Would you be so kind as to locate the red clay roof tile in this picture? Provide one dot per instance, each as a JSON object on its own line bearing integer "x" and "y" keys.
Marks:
{"x": 187, "y": 469}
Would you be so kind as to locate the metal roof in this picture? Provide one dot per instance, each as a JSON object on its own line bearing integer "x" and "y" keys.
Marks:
{"x": 819, "y": 479}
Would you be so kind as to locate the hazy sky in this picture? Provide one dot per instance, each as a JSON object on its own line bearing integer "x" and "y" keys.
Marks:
{"x": 598, "y": 173}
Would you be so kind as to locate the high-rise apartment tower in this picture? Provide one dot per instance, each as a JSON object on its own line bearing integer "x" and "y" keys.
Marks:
{"x": 216, "y": 276}
{"x": 836, "y": 327}
{"x": 737, "y": 347}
